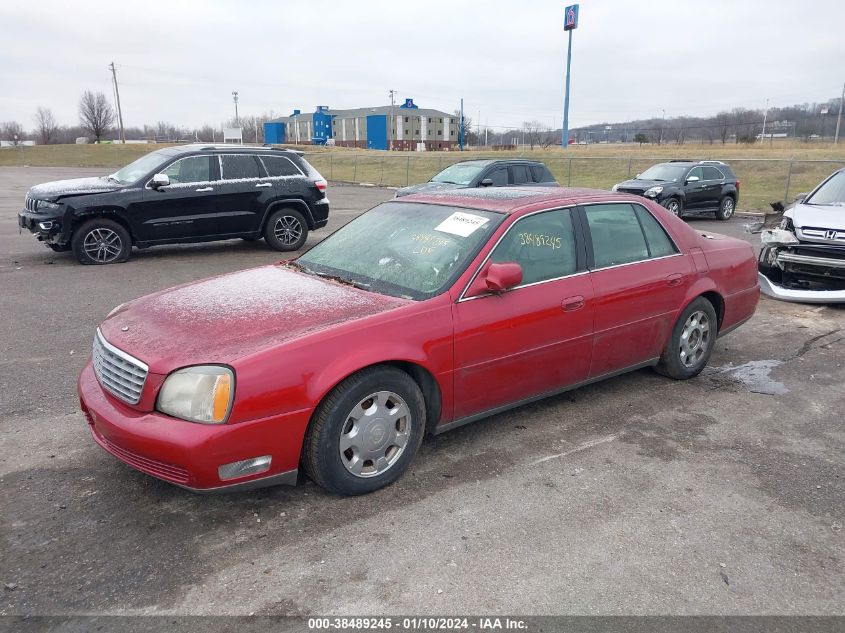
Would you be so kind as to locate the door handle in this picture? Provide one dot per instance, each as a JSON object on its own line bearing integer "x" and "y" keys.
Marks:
{"x": 205, "y": 189}
{"x": 264, "y": 184}
{"x": 571, "y": 304}
{"x": 674, "y": 280}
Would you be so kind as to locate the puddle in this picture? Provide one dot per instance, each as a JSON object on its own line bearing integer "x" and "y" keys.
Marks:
{"x": 755, "y": 376}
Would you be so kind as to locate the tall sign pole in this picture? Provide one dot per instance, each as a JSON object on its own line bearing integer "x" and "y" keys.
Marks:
{"x": 462, "y": 125}
{"x": 570, "y": 23}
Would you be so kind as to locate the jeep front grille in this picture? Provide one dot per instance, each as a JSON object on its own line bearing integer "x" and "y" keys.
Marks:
{"x": 31, "y": 204}
{"x": 117, "y": 371}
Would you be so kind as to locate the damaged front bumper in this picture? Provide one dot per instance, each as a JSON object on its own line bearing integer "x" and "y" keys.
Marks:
{"x": 802, "y": 272}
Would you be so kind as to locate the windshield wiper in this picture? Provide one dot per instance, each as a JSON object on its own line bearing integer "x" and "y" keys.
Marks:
{"x": 344, "y": 280}
{"x": 111, "y": 177}
{"x": 300, "y": 267}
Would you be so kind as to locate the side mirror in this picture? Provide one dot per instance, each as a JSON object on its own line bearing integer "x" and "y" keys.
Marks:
{"x": 501, "y": 277}
{"x": 800, "y": 198}
{"x": 693, "y": 179}
{"x": 160, "y": 180}
{"x": 487, "y": 182}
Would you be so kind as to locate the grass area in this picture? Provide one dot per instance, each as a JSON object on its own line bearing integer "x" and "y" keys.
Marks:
{"x": 762, "y": 169}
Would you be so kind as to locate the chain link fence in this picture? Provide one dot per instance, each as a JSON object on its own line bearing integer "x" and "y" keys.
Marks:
{"x": 763, "y": 180}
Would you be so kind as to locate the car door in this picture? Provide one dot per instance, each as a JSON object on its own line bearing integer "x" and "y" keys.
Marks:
{"x": 244, "y": 193}
{"x": 714, "y": 179}
{"x": 640, "y": 279}
{"x": 183, "y": 209}
{"x": 288, "y": 180}
{"x": 535, "y": 338}
{"x": 695, "y": 191}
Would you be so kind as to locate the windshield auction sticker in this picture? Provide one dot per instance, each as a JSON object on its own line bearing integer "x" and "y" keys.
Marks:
{"x": 462, "y": 224}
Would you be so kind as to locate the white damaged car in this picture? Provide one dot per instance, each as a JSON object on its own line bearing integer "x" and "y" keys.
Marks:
{"x": 804, "y": 258}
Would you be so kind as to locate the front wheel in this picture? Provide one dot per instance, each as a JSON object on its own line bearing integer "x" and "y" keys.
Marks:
{"x": 675, "y": 207}
{"x": 101, "y": 241}
{"x": 691, "y": 342}
{"x": 726, "y": 208}
{"x": 365, "y": 433}
{"x": 286, "y": 230}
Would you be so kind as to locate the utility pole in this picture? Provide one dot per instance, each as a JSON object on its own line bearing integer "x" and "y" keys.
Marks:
{"x": 235, "y": 99}
{"x": 117, "y": 99}
{"x": 765, "y": 116}
{"x": 392, "y": 119}
{"x": 478, "y": 142}
{"x": 461, "y": 137}
{"x": 839, "y": 116}
{"x": 662, "y": 127}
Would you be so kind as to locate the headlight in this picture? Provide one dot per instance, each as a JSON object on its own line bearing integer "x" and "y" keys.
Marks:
{"x": 198, "y": 394}
{"x": 778, "y": 236}
{"x": 653, "y": 192}
{"x": 614, "y": 187}
{"x": 49, "y": 206}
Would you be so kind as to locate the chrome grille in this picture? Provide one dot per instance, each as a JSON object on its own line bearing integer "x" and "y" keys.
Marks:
{"x": 31, "y": 204}
{"x": 117, "y": 371}
{"x": 830, "y": 236}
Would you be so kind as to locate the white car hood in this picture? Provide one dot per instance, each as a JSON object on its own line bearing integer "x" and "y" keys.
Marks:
{"x": 822, "y": 216}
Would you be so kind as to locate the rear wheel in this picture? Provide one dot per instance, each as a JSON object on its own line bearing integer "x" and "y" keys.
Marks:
{"x": 101, "y": 241}
{"x": 726, "y": 208}
{"x": 691, "y": 342}
{"x": 286, "y": 230}
{"x": 365, "y": 433}
{"x": 675, "y": 207}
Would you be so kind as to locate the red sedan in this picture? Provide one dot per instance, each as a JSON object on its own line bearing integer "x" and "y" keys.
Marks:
{"x": 425, "y": 313}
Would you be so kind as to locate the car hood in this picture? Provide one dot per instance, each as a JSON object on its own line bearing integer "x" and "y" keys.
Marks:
{"x": 428, "y": 187}
{"x": 224, "y": 318}
{"x": 641, "y": 185}
{"x": 826, "y": 216}
{"x": 72, "y": 187}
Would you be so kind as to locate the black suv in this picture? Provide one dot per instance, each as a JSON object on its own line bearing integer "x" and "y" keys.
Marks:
{"x": 687, "y": 186}
{"x": 486, "y": 173}
{"x": 192, "y": 193}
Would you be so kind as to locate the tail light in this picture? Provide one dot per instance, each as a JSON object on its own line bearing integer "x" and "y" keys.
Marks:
{"x": 737, "y": 185}
{"x": 321, "y": 184}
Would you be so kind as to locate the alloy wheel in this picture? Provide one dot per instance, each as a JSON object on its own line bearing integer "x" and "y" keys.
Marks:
{"x": 102, "y": 245}
{"x": 287, "y": 230}
{"x": 728, "y": 207}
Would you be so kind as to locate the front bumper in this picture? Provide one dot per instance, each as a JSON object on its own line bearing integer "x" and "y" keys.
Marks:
{"x": 189, "y": 454}
{"x": 46, "y": 228}
{"x": 776, "y": 291}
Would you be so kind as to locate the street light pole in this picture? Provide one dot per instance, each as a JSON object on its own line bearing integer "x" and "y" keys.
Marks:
{"x": 662, "y": 127}
{"x": 235, "y": 99}
{"x": 765, "y": 116}
{"x": 392, "y": 117}
{"x": 839, "y": 116}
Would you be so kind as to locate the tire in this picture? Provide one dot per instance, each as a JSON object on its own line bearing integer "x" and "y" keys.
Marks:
{"x": 101, "y": 241}
{"x": 286, "y": 230}
{"x": 680, "y": 360}
{"x": 334, "y": 452}
{"x": 727, "y": 206}
{"x": 674, "y": 206}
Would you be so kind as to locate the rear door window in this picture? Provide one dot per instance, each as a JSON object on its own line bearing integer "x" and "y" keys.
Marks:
{"x": 711, "y": 173}
{"x": 616, "y": 235}
{"x": 239, "y": 166}
{"x": 278, "y": 166}
{"x": 659, "y": 242}
{"x": 541, "y": 174}
{"x": 520, "y": 174}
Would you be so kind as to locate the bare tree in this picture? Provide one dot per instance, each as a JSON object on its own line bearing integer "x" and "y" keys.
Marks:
{"x": 533, "y": 130}
{"x": 13, "y": 132}
{"x": 45, "y": 125}
{"x": 95, "y": 113}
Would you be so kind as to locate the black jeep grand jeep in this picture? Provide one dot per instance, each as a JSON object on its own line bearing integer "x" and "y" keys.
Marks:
{"x": 192, "y": 193}
{"x": 686, "y": 186}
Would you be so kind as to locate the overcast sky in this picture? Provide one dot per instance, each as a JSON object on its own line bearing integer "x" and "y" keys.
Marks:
{"x": 178, "y": 61}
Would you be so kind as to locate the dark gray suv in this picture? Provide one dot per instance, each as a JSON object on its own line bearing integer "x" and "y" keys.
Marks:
{"x": 486, "y": 173}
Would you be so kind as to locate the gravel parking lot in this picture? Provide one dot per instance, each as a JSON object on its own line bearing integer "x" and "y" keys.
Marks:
{"x": 720, "y": 495}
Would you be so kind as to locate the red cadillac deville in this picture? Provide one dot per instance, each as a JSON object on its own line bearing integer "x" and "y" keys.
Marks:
{"x": 423, "y": 314}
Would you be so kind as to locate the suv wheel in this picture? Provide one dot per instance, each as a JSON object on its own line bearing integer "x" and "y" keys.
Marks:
{"x": 726, "y": 208}
{"x": 101, "y": 241}
{"x": 286, "y": 230}
{"x": 675, "y": 207}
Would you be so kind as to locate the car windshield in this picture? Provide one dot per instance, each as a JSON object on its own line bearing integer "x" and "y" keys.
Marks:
{"x": 459, "y": 174}
{"x": 664, "y": 171}
{"x": 831, "y": 192}
{"x": 139, "y": 168}
{"x": 408, "y": 250}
